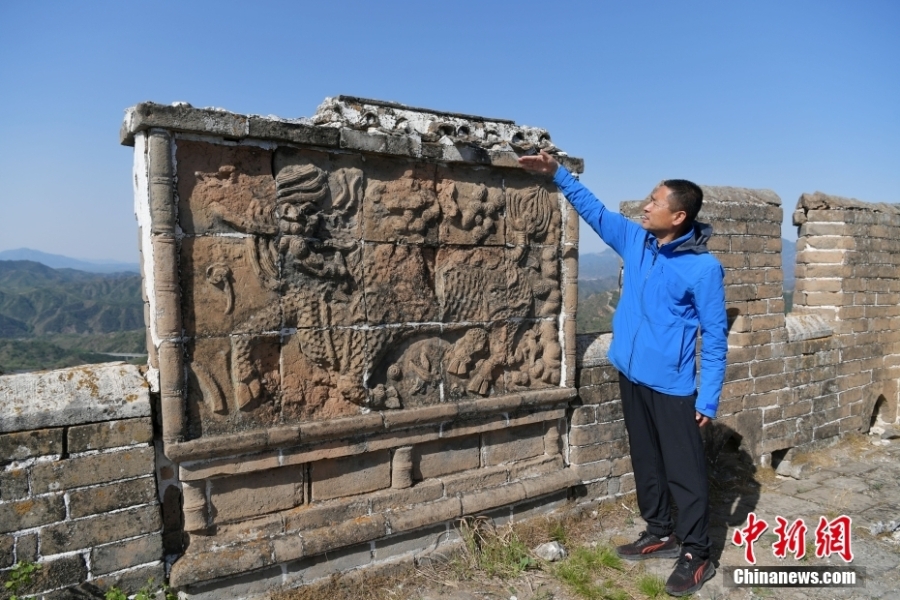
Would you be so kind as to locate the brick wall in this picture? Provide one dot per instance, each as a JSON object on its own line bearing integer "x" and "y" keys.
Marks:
{"x": 78, "y": 493}
{"x": 848, "y": 254}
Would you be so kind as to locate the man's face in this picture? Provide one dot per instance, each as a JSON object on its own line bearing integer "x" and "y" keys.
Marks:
{"x": 658, "y": 218}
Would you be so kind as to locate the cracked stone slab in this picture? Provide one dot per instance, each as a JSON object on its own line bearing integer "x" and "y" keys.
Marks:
{"x": 72, "y": 396}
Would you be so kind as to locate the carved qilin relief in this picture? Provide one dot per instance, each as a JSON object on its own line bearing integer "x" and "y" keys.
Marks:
{"x": 399, "y": 284}
{"x": 317, "y": 284}
{"x": 402, "y": 207}
{"x": 471, "y": 284}
{"x": 429, "y": 367}
{"x": 537, "y": 357}
{"x": 470, "y": 213}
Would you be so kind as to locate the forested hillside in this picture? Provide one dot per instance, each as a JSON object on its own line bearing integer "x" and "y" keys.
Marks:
{"x": 51, "y": 318}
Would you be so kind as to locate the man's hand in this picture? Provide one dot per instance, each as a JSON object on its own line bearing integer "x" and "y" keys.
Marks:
{"x": 702, "y": 420}
{"x": 539, "y": 163}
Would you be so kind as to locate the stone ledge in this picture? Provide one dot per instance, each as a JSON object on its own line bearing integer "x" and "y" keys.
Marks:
{"x": 807, "y": 327}
{"x": 426, "y": 140}
{"x": 591, "y": 349}
{"x": 821, "y": 201}
{"x": 215, "y": 467}
{"x": 317, "y": 431}
{"x": 220, "y": 560}
{"x": 85, "y": 394}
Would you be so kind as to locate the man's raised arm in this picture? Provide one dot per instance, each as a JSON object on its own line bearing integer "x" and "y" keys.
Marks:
{"x": 613, "y": 228}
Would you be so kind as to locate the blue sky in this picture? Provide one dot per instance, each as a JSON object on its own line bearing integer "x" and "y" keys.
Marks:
{"x": 794, "y": 96}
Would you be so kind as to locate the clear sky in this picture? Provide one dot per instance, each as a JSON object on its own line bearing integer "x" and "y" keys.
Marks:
{"x": 795, "y": 96}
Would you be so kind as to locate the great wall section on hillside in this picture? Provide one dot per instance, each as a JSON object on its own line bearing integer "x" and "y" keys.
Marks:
{"x": 361, "y": 327}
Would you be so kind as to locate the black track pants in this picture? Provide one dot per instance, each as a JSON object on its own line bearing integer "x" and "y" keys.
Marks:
{"x": 669, "y": 463}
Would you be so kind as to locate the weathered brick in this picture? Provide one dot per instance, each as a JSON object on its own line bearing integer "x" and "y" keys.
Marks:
{"x": 112, "y": 434}
{"x": 610, "y": 411}
{"x": 741, "y": 292}
{"x": 92, "y": 469}
{"x": 130, "y": 553}
{"x": 780, "y": 429}
{"x": 104, "y": 498}
{"x": 27, "y": 547}
{"x": 584, "y": 415}
{"x": 424, "y": 515}
{"x": 593, "y": 453}
{"x": 767, "y": 367}
{"x": 514, "y": 443}
{"x": 768, "y": 383}
{"x": 445, "y": 456}
{"x": 796, "y": 409}
{"x": 476, "y": 480}
{"x": 351, "y": 475}
{"x": 772, "y": 414}
{"x": 597, "y": 394}
{"x": 592, "y": 471}
{"x": 314, "y": 516}
{"x": 31, "y": 512}
{"x": 536, "y": 466}
{"x": 762, "y": 322}
{"x": 27, "y": 444}
{"x": 596, "y": 434}
{"x": 747, "y": 244}
{"x": 258, "y": 493}
{"x": 203, "y": 566}
{"x": 53, "y": 574}
{"x": 7, "y": 542}
{"x": 414, "y": 541}
{"x": 827, "y": 431}
{"x": 480, "y": 501}
{"x": 337, "y": 561}
{"x": 737, "y": 371}
{"x": 621, "y": 466}
{"x": 100, "y": 529}
{"x": 362, "y": 529}
{"x": 423, "y": 491}
{"x": 13, "y": 484}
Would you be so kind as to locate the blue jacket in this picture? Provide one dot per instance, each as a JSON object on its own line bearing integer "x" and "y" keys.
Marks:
{"x": 668, "y": 294}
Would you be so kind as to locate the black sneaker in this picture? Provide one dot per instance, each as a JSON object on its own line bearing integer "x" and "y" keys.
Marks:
{"x": 689, "y": 575}
{"x": 650, "y": 546}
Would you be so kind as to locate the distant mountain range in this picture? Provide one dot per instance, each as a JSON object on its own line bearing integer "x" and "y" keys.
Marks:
{"x": 57, "y": 261}
{"x": 38, "y": 300}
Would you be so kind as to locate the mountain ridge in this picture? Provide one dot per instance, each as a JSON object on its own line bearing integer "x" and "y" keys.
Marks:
{"x": 59, "y": 261}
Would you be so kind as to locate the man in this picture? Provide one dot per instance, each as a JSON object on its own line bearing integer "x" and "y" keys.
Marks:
{"x": 672, "y": 288}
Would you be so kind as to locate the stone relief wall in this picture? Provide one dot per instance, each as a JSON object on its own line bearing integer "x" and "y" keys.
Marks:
{"x": 368, "y": 311}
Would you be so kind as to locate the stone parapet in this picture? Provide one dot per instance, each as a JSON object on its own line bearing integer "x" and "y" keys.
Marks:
{"x": 78, "y": 491}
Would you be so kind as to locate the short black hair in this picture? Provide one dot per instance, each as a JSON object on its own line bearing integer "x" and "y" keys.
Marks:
{"x": 685, "y": 195}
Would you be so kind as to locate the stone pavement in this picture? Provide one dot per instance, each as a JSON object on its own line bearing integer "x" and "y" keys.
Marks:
{"x": 858, "y": 477}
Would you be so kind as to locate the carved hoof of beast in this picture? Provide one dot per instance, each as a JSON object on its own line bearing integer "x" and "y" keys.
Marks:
{"x": 456, "y": 367}
{"x": 479, "y": 385}
{"x": 246, "y": 393}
